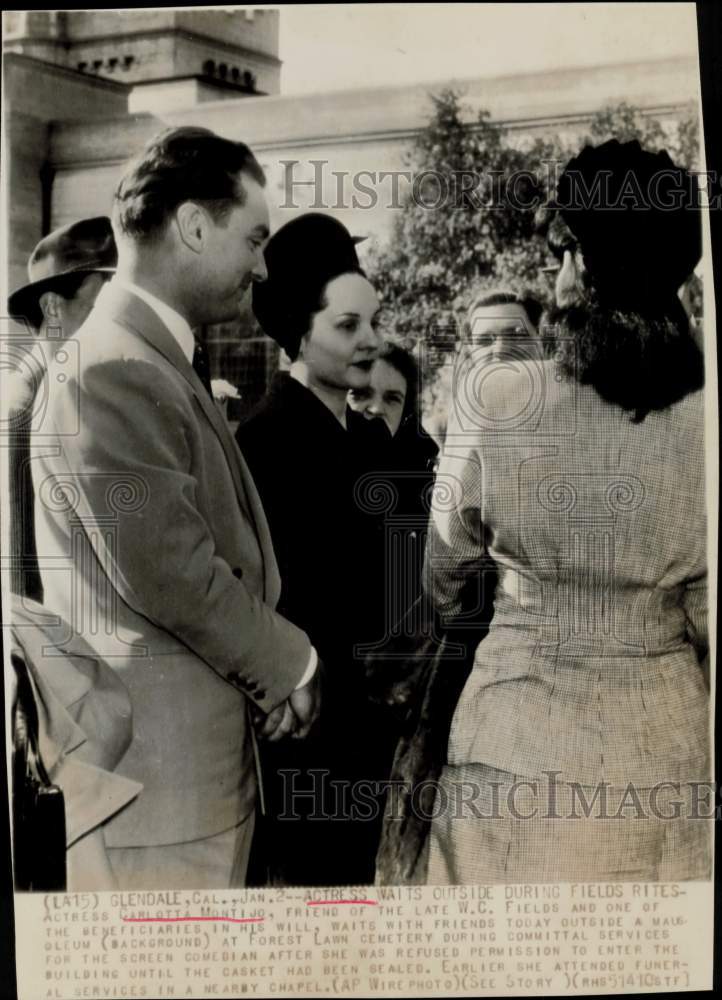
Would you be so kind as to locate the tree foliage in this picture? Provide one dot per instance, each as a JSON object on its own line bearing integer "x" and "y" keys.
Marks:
{"x": 625, "y": 122}
{"x": 469, "y": 222}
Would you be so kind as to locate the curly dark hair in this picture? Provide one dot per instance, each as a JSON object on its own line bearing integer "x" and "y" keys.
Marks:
{"x": 406, "y": 365}
{"x": 639, "y": 362}
{"x": 627, "y": 333}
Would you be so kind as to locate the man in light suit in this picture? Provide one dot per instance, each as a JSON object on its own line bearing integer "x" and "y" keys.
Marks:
{"x": 151, "y": 537}
{"x": 80, "y": 715}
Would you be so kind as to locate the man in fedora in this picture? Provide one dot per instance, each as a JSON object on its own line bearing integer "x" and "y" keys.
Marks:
{"x": 156, "y": 516}
{"x": 66, "y": 270}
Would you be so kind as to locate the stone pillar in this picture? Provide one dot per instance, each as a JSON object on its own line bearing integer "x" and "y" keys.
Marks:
{"x": 37, "y": 94}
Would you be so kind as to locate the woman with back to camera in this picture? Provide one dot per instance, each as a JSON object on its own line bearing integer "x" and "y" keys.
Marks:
{"x": 307, "y": 450}
{"x": 584, "y": 478}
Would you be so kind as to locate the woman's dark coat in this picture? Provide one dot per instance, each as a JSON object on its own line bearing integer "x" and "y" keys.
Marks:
{"x": 328, "y": 538}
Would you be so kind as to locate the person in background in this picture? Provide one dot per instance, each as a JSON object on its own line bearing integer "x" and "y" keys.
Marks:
{"x": 392, "y": 396}
{"x": 503, "y": 325}
{"x": 417, "y": 672}
{"x": 587, "y": 488}
{"x": 80, "y": 711}
{"x": 393, "y": 390}
{"x": 308, "y": 452}
{"x": 66, "y": 270}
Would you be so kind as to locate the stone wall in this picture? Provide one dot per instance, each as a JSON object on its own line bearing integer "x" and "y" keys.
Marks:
{"x": 193, "y": 53}
{"x": 140, "y": 45}
{"x": 353, "y": 131}
{"x": 80, "y": 127}
{"x": 35, "y": 95}
{"x": 256, "y": 30}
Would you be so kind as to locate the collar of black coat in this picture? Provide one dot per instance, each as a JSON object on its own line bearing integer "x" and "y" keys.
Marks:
{"x": 289, "y": 394}
{"x": 413, "y": 446}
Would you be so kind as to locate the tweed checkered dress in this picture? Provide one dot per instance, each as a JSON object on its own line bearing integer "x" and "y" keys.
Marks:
{"x": 591, "y": 670}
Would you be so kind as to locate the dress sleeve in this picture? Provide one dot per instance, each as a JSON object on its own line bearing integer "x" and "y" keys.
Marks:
{"x": 455, "y": 546}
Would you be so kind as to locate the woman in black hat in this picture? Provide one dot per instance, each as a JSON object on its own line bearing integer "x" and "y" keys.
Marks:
{"x": 307, "y": 451}
{"x": 580, "y": 742}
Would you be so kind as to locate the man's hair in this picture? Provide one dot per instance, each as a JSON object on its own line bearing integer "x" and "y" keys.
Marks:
{"x": 505, "y": 297}
{"x": 182, "y": 164}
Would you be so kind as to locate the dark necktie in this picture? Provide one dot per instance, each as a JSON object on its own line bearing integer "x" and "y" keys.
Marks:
{"x": 202, "y": 366}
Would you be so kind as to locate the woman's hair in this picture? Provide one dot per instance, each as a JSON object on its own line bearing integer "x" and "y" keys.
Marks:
{"x": 302, "y": 257}
{"x": 627, "y": 333}
{"x": 299, "y": 316}
{"x": 639, "y": 362}
{"x": 505, "y": 297}
{"x": 637, "y": 353}
{"x": 405, "y": 364}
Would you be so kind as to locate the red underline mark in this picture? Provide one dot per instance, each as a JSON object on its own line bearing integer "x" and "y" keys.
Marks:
{"x": 192, "y": 920}
{"x": 343, "y": 902}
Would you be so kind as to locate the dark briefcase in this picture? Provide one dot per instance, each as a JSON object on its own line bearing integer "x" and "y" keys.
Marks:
{"x": 38, "y": 805}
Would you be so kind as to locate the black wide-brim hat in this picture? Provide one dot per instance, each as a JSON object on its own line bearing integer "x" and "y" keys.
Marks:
{"x": 301, "y": 258}
{"x": 636, "y": 218}
{"x": 82, "y": 247}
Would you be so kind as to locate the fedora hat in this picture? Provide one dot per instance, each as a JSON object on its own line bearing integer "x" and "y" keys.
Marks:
{"x": 81, "y": 248}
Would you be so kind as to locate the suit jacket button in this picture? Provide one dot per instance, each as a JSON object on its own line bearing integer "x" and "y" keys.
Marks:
{"x": 235, "y": 678}
{"x": 260, "y": 695}
{"x": 237, "y": 572}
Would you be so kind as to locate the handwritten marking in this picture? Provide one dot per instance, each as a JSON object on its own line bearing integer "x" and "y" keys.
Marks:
{"x": 342, "y": 902}
{"x": 192, "y": 920}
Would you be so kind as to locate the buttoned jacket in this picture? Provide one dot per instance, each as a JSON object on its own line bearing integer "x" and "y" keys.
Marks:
{"x": 154, "y": 546}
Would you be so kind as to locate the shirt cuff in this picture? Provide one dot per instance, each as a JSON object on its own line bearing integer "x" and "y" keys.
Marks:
{"x": 310, "y": 669}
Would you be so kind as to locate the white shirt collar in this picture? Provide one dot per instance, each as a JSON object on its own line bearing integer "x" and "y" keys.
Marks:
{"x": 177, "y": 325}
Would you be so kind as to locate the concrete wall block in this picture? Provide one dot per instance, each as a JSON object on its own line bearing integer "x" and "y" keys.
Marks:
{"x": 150, "y": 58}
{"x": 76, "y": 145}
{"x": 259, "y": 31}
{"x": 48, "y": 92}
{"x": 94, "y": 23}
{"x": 83, "y": 193}
{"x": 193, "y": 55}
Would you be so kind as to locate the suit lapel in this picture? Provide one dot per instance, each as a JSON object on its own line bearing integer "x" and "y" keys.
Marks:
{"x": 128, "y": 309}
